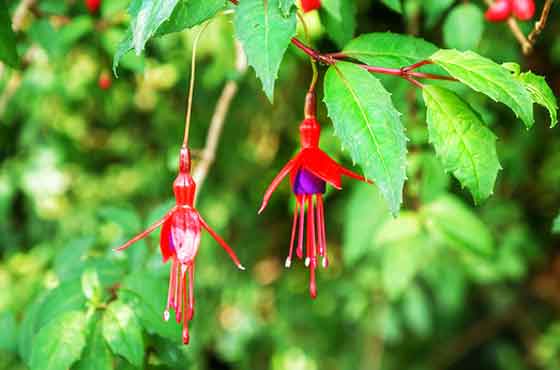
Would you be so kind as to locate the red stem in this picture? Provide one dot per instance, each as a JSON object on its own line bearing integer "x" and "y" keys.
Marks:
{"x": 404, "y": 72}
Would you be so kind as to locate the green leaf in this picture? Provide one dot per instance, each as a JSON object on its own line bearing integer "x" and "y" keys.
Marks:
{"x": 339, "y": 17}
{"x": 8, "y": 328}
{"x": 389, "y": 49}
{"x": 27, "y": 329}
{"x": 393, "y": 4}
{"x": 265, "y": 34}
{"x": 162, "y": 17}
{"x": 123, "y": 333}
{"x": 8, "y": 50}
{"x": 556, "y": 225}
{"x": 369, "y": 126}
{"x": 434, "y": 9}
{"x": 146, "y": 20}
{"x": 59, "y": 344}
{"x": 146, "y": 293}
{"x": 286, "y": 6}
{"x": 466, "y": 147}
{"x": 189, "y": 13}
{"x": 66, "y": 297}
{"x": 451, "y": 222}
{"x": 96, "y": 354}
{"x": 91, "y": 286}
{"x": 463, "y": 27}
{"x": 416, "y": 311}
{"x": 365, "y": 213}
{"x": 541, "y": 93}
{"x": 485, "y": 76}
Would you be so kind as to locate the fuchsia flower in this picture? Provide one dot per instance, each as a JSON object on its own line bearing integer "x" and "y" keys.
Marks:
{"x": 310, "y": 170}
{"x": 179, "y": 241}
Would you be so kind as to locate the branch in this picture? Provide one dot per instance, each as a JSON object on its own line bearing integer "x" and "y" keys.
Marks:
{"x": 538, "y": 28}
{"x": 208, "y": 154}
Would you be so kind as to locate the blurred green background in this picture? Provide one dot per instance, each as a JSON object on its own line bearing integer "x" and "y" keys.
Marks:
{"x": 84, "y": 168}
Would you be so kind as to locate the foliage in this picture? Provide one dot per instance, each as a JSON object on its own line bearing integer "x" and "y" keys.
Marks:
{"x": 456, "y": 235}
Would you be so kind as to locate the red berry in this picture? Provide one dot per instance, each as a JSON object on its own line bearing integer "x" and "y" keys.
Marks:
{"x": 499, "y": 11}
{"x": 523, "y": 9}
{"x": 93, "y": 5}
{"x": 104, "y": 81}
{"x": 309, "y": 5}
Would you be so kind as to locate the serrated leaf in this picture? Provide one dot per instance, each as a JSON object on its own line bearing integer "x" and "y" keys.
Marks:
{"x": 149, "y": 17}
{"x": 369, "y": 127}
{"x": 339, "y": 17}
{"x": 189, "y": 13}
{"x": 123, "y": 333}
{"x": 393, "y": 4}
{"x": 286, "y": 6}
{"x": 463, "y": 27}
{"x": 8, "y": 50}
{"x": 485, "y": 76}
{"x": 96, "y": 353}
{"x": 452, "y": 222}
{"x": 465, "y": 146}
{"x": 541, "y": 93}
{"x": 179, "y": 15}
{"x": 59, "y": 344}
{"x": 146, "y": 293}
{"x": 66, "y": 297}
{"x": 389, "y": 49}
{"x": 265, "y": 34}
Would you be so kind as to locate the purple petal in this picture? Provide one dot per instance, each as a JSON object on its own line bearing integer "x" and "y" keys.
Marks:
{"x": 307, "y": 183}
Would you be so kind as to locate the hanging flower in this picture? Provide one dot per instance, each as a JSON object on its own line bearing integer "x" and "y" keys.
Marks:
{"x": 310, "y": 170}
{"x": 179, "y": 241}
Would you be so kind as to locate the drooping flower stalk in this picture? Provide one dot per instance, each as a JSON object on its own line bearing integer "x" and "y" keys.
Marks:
{"x": 310, "y": 170}
{"x": 179, "y": 241}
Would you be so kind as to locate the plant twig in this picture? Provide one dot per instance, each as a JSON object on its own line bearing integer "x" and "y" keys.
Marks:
{"x": 538, "y": 28}
{"x": 218, "y": 119}
{"x": 514, "y": 28}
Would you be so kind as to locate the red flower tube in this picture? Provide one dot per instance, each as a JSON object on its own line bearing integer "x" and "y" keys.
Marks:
{"x": 310, "y": 170}
{"x": 179, "y": 241}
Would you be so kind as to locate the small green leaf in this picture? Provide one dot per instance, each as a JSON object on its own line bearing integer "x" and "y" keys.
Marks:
{"x": 541, "y": 93}
{"x": 451, "y": 222}
{"x": 466, "y": 147}
{"x": 369, "y": 126}
{"x": 416, "y": 311}
{"x": 96, "y": 354}
{"x": 123, "y": 333}
{"x": 339, "y": 17}
{"x": 393, "y": 4}
{"x": 59, "y": 344}
{"x": 91, "y": 286}
{"x": 265, "y": 34}
{"x": 389, "y": 49}
{"x": 463, "y": 27}
{"x": 485, "y": 76}
{"x": 27, "y": 329}
{"x": 286, "y": 6}
{"x": 8, "y": 50}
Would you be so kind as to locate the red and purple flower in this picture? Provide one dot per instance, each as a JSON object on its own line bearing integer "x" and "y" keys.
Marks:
{"x": 179, "y": 241}
{"x": 310, "y": 170}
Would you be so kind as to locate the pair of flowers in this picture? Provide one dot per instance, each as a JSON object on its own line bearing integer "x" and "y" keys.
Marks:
{"x": 501, "y": 10}
{"x": 310, "y": 170}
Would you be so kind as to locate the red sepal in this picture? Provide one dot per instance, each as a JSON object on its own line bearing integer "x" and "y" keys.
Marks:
{"x": 309, "y": 5}
{"x": 165, "y": 235}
